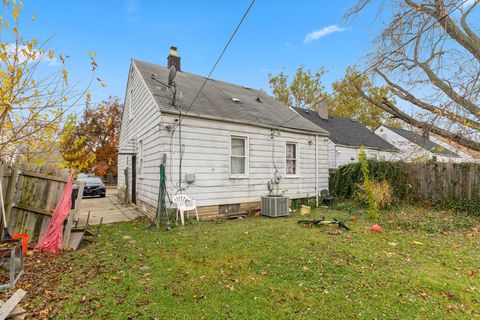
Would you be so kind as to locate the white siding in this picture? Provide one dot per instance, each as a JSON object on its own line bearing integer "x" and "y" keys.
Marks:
{"x": 339, "y": 155}
{"x": 409, "y": 151}
{"x": 464, "y": 157}
{"x": 206, "y": 154}
{"x": 139, "y": 123}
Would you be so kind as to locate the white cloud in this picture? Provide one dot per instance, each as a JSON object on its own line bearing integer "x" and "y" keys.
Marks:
{"x": 24, "y": 55}
{"x": 317, "y": 34}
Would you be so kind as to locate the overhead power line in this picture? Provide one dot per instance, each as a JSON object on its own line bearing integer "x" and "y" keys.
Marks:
{"x": 384, "y": 57}
{"x": 218, "y": 60}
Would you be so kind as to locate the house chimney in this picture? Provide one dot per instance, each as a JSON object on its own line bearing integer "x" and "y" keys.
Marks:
{"x": 173, "y": 58}
{"x": 322, "y": 110}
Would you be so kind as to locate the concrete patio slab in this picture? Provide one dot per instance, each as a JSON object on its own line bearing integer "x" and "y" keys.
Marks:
{"x": 107, "y": 208}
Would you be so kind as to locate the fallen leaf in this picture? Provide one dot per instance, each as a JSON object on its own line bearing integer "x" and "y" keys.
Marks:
{"x": 418, "y": 243}
{"x": 263, "y": 273}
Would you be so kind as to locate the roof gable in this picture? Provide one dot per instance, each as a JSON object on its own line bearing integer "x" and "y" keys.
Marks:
{"x": 472, "y": 153}
{"x": 423, "y": 142}
{"x": 222, "y": 101}
{"x": 346, "y": 131}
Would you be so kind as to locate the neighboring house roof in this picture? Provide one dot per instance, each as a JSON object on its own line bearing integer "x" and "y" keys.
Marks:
{"x": 345, "y": 131}
{"x": 470, "y": 152}
{"x": 222, "y": 101}
{"x": 423, "y": 142}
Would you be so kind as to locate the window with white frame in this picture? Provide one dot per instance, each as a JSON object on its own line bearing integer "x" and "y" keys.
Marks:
{"x": 291, "y": 158}
{"x": 238, "y": 156}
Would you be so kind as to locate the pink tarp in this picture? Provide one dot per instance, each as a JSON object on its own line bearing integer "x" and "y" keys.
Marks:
{"x": 52, "y": 239}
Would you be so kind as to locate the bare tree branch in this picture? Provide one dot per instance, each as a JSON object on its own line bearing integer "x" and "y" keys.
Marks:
{"x": 426, "y": 126}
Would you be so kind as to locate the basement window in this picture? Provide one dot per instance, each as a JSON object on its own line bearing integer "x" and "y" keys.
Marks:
{"x": 229, "y": 208}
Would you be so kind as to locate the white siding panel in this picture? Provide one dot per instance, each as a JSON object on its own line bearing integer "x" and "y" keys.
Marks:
{"x": 339, "y": 155}
{"x": 141, "y": 125}
{"x": 207, "y": 155}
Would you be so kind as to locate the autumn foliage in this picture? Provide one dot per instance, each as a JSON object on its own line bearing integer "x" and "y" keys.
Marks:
{"x": 91, "y": 145}
{"x": 306, "y": 90}
{"x": 36, "y": 93}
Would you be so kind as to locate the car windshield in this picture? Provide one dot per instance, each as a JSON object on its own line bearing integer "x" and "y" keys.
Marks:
{"x": 91, "y": 180}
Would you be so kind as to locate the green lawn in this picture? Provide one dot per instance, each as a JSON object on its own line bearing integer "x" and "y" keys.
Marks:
{"x": 261, "y": 268}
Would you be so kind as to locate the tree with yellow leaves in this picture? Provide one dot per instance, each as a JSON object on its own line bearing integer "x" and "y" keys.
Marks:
{"x": 306, "y": 90}
{"x": 32, "y": 104}
{"x": 348, "y": 103}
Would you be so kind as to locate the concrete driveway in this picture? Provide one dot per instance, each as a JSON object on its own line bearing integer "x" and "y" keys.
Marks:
{"x": 107, "y": 208}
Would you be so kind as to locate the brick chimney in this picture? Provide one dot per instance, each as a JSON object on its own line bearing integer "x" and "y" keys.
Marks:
{"x": 173, "y": 58}
{"x": 322, "y": 110}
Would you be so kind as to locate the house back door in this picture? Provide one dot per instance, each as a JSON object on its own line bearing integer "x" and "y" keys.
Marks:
{"x": 134, "y": 179}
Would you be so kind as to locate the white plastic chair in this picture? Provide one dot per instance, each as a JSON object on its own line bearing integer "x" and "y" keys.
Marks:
{"x": 183, "y": 204}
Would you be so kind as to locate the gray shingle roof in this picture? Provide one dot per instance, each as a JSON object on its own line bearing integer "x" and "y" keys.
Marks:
{"x": 347, "y": 132}
{"x": 423, "y": 142}
{"x": 254, "y": 107}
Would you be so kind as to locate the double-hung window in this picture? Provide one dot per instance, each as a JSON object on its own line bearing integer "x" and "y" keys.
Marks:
{"x": 291, "y": 159}
{"x": 238, "y": 156}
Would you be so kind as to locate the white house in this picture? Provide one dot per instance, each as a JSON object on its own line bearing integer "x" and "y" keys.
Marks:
{"x": 466, "y": 154}
{"x": 415, "y": 146}
{"x": 221, "y": 150}
{"x": 346, "y": 138}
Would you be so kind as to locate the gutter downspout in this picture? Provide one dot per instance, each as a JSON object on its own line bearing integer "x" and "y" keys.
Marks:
{"x": 316, "y": 169}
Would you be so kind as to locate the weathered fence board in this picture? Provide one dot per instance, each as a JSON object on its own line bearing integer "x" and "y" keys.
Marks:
{"x": 32, "y": 193}
{"x": 439, "y": 181}
{"x": 37, "y": 187}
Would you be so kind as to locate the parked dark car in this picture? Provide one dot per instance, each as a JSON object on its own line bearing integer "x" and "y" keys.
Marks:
{"x": 94, "y": 186}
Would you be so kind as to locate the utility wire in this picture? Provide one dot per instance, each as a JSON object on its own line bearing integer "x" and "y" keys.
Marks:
{"x": 383, "y": 58}
{"x": 218, "y": 60}
{"x": 181, "y": 114}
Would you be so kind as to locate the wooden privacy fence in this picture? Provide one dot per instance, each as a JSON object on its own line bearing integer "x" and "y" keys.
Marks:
{"x": 438, "y": 182}
{"x": 31, "y": 195}
{"x": 446, "y": 185}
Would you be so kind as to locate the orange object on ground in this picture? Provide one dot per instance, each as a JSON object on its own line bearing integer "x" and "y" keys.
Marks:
{"x": 376, "y": 228}
{"x": 24, "y": 238}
